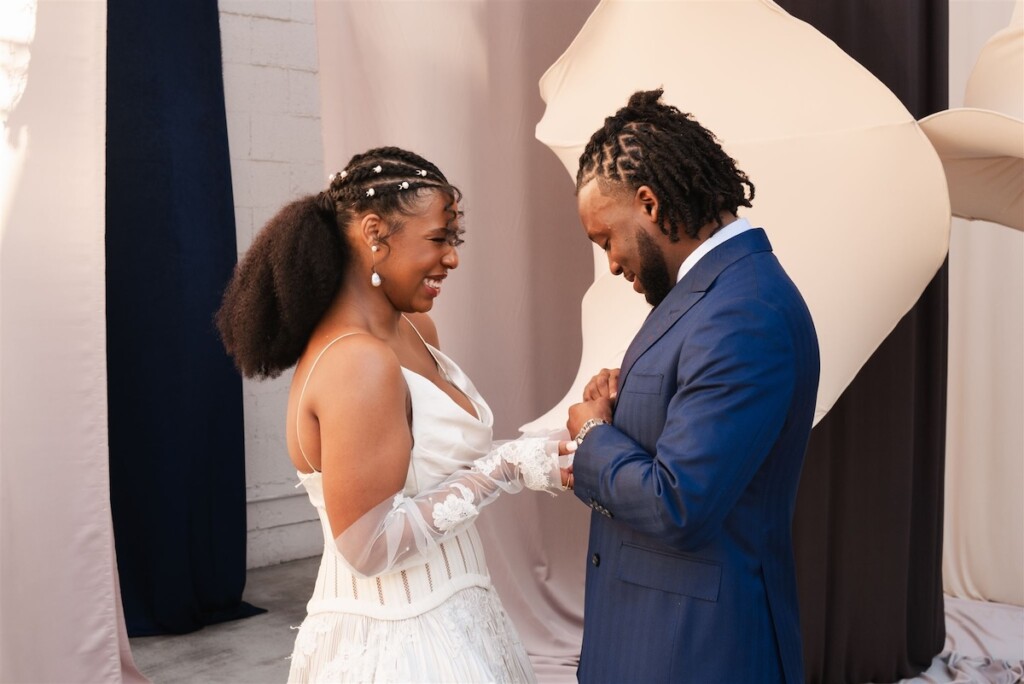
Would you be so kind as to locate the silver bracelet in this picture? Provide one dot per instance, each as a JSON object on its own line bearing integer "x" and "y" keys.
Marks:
{"x": 587, "y": 427}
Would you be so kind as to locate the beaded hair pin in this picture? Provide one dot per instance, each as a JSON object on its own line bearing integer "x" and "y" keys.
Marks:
{"x": 371, "y": 191}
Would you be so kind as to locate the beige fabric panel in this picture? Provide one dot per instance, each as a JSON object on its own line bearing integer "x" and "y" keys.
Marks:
{"x": 983, "y": 536}
{"x": 983, "y": 542}
{"x": 60, "y": 610}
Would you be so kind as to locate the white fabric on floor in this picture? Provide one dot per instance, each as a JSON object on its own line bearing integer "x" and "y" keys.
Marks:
{"x": 984, "y": 643}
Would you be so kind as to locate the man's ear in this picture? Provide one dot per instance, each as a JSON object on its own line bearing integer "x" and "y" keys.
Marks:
{"x": 647, "y": 201}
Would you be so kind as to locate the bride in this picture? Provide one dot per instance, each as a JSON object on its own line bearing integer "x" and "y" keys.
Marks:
{"x": 391, "y": 440}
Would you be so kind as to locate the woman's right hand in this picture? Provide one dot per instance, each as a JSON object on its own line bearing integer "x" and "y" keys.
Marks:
{"x": 566, "y": 449}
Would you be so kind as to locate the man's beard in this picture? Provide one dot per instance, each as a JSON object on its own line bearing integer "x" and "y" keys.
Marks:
{"x": 653, "y": 275}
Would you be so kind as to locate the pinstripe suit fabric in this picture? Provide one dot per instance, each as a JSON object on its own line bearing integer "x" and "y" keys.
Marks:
{"x": 691, "y": 574}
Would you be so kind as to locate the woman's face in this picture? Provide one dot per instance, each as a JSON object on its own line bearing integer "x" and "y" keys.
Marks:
{"x": 415, "y": 260}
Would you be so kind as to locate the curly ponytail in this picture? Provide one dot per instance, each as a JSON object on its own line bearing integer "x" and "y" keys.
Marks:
{"x": 282, "y": 287}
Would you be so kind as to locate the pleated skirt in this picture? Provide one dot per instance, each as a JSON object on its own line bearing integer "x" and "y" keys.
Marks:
{"x": 468, "y": 638}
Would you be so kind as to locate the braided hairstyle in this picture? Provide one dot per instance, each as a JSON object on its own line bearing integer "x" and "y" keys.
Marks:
{"x": 296, "y": 264}
{"x": 651, "y": 143}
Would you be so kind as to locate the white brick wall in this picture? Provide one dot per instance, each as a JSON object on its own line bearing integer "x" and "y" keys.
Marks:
{"x": 273, "y": 112}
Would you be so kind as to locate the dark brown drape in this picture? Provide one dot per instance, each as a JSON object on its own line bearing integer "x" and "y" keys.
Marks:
{"x": 868, "y": 523}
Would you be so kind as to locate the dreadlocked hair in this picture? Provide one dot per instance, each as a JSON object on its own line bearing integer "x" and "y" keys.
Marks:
{"x": 296, "y": 264}
{"x": 650, "y": 143}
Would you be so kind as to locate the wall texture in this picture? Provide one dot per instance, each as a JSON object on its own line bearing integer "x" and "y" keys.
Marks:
{"x": 273, "y": 111}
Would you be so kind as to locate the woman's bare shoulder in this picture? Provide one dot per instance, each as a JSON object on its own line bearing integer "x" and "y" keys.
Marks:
{"x": 360, "y": 367}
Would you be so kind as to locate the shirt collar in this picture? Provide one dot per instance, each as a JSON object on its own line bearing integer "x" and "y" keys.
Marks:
{"x": 740, "y": 225}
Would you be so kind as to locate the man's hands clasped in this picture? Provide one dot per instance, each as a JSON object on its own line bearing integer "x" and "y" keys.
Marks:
{"x": 598, "y": 403}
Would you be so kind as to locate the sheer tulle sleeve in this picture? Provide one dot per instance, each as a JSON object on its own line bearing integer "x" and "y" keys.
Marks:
{"x": 400, "y": 529}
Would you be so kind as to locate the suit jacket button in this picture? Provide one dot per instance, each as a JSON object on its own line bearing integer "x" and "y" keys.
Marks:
{"x": 596, "y": 559}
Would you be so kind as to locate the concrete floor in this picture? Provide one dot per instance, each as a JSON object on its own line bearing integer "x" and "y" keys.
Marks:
{"x": 251, "y": 650}
{"x": 255, "y": 650}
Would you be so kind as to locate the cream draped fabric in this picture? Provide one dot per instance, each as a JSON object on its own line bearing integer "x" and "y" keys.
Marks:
{"x": 983, "y": 536}
{"x": 982, "y": 143}
{"x": 60, "y": 609}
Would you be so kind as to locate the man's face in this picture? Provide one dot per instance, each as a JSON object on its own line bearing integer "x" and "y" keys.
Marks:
{"x": 620, "y": 224}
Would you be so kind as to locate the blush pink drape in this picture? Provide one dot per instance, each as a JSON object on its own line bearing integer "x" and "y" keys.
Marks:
{"x": 457, "y": 83}
{"x": 60, "y": 609}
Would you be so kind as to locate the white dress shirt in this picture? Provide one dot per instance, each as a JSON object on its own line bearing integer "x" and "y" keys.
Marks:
{"x": 740, "y": 225}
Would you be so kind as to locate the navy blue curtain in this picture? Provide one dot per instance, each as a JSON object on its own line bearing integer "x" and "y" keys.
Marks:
{"x": 868, "y": 524}
{"x": 177, "y": 475}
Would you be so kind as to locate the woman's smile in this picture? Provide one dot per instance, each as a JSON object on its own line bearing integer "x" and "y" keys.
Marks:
{"x": 433, "y": 285}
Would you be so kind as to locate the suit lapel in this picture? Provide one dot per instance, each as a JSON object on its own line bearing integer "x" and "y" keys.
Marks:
{"x": 689, "y": 291}
{"x": 678, "y": 302}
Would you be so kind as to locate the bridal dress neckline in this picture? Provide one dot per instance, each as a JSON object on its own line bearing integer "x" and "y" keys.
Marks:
{"x": 450, "y": 372}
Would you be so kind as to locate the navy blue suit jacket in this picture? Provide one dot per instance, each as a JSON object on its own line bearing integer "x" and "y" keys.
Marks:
{"x": 691, "y": 575}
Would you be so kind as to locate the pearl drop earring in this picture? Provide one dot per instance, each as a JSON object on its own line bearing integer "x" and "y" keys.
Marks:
{"x": 374, "y": 277}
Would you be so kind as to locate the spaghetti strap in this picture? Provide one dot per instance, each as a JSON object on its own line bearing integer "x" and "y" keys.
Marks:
{"x": 298, "y": 406}
{"x": 442, "y": 370}
{"x": 417, "y": 331}
{"x": 430, "y": 350}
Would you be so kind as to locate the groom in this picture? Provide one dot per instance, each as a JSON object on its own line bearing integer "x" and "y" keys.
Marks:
{"x": 691, "y": 454}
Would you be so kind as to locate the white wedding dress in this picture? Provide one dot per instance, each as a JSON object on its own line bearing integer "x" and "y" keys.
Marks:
{"x": 404, "y": 595}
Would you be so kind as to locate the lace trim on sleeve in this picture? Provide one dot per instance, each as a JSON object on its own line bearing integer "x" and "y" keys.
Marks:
{"x": 396, "y": 532}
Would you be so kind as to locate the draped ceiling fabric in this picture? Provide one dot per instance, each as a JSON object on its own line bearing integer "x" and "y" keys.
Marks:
{"x": 60, "y": 612}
